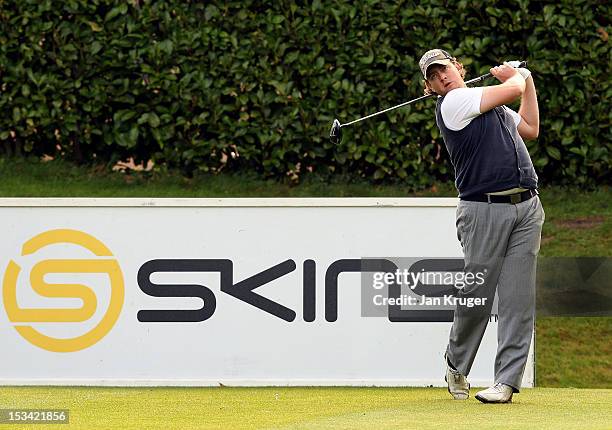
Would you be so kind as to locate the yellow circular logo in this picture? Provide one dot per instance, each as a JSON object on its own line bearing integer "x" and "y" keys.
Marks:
{"x": 19, "y": 315}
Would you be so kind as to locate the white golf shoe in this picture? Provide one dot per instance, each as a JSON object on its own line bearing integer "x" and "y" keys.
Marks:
{"x": 458, "y": 385}
{"x": 498, "y": 393}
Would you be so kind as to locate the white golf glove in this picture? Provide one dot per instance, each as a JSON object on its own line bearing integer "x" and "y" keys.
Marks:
{"x": 525, "y": 73}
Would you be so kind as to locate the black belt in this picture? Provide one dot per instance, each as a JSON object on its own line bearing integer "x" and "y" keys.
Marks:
{"x": 510, "y": 198}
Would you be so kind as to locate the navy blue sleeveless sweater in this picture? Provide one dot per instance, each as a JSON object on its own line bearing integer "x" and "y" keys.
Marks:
{"x": 488, "y": 154}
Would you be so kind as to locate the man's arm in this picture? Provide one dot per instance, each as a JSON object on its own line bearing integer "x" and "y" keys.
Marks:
{"x": 529, "y": 127}
{"x": 512, "y": 87}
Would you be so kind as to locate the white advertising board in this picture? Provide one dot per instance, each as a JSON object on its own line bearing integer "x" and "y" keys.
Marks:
{"x": 219, "y": 291}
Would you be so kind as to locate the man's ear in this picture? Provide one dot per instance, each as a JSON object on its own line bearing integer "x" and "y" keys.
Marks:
{"x": 459, "y": 66}
{"x": 428, "y": 89}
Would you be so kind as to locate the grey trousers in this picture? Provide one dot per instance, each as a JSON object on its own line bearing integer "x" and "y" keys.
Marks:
{"x": 501, "y": 242}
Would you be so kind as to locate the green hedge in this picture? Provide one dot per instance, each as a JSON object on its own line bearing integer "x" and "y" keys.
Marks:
{"x": 256, "y": 84}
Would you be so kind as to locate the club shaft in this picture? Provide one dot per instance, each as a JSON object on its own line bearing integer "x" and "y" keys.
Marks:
{"x": 478, "y": 79}
{"x": 426, "y": 96}
{"x": 388, "y": 109}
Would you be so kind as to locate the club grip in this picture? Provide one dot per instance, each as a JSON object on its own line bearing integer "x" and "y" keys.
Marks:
{"x": 488, "y": 75}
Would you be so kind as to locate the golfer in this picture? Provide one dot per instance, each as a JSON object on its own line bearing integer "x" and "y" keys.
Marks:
{"x": 499, "y": 216}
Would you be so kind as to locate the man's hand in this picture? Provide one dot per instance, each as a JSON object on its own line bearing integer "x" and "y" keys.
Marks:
{"x": 525, "y": 73}
{"x": 504, "y": 72}
{"x": 512, "y": 87}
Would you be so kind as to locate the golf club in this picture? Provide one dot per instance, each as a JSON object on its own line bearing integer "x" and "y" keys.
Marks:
{"x": 335, "y": 134}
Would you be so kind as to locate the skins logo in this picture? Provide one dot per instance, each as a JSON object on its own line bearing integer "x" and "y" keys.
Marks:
{"x": 23, "y": 317}
{"x": 244, "y": 290}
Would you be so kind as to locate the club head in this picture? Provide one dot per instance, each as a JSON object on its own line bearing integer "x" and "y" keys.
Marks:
{"x": 335, "y": 134}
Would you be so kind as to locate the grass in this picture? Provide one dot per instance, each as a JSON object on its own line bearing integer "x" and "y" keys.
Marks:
{"x": 31, "y": 178}
{"x": 572, "y": 352}
{"x": 578, "y": 223}
{"x": 313, "y": 408}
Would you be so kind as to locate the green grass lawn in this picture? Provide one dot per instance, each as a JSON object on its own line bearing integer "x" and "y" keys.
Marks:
{"x": 572, "y": 352}
{"x": 313, "y": 408}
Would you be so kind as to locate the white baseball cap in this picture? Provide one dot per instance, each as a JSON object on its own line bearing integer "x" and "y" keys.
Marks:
{"x": 434, "y": 56}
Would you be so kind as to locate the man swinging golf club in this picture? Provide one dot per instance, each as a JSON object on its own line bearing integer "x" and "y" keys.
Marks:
{"x": 499, "y": 216}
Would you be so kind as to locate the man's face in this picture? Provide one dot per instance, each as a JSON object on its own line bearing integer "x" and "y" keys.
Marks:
{"x": 444, "y": 78}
